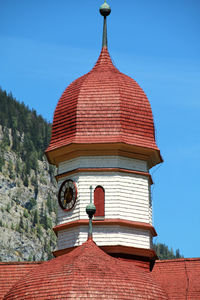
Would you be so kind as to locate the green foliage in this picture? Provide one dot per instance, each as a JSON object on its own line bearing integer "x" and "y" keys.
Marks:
{"x": 28, "y": 135}
{"x": 49, "y": 255}
{"x": 178, "y": 255}
{"x": 42, "y": 211}
{"x": 25, "y": 214}
{"x": 20, "y": 226}
{"x": 16, "y": 197}
{"x": 47, "y": 249}
{"x": 16, "y": 141}
{"x": 49, "y": 204}
{"x": 31, "y": 204}
{"x": 10, "y": 169}
{"x": 17, "y": 228}
{"x": 36, "y": 191}
{"x": 53, "y": 239}
{"x": 39, "y": 230}
{"x": 52, "y": 173}
{"x": 34, "y": 257}
{"x": 30, "y": 258}
{"x": 30, "y": 132}
{"x": 163, "y": 252}
{"x": 18, "y": 166}
{"x": 8, "y": 207}
{"x": 27, "y": 226}
{"x": 42, "y": 257}
{"x": 34, "y": 180}
{"x": 5, "y": 141}
{"x": 43, "y": 180}
{"x": 36, "y": 218}
{"x": 2, "y": 161}
{"x": 25, "y": 180}
{"x": 21, "y": 222}
{"x": 46, "y": 221}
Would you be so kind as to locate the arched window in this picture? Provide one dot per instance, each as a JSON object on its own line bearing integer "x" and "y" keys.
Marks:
{"x": 99, "y": 201}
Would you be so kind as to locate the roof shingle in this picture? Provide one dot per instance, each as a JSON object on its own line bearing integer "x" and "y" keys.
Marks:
{"x": 87, "y": 273}
{"x": 180, "y": 278}
{"x": 103, "y": 106}
{"x": 11, "y": 272}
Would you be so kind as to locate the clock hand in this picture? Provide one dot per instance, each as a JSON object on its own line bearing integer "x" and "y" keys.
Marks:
{"x": 66, "y": 196}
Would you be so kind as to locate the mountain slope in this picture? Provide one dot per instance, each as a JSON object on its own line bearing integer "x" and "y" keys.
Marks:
{"x": 27, "y": 185}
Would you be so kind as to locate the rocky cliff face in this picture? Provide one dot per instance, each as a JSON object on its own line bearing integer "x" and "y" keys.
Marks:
{"x": 27, "y": 205}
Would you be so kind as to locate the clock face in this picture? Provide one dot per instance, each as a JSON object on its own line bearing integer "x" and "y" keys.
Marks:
{"x": 67, "y": 195}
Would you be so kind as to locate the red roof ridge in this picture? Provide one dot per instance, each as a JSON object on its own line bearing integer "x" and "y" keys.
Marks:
{"x": 20, "y": 262}
{"x": 178, "y": 260}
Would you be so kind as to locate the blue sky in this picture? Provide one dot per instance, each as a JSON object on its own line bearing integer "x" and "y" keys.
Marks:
{"x": 46, "y": 44}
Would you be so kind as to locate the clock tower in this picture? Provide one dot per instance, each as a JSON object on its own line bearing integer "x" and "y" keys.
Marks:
{"x": 103, "y": 144}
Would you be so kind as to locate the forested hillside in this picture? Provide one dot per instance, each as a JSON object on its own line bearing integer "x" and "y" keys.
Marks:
{"x": 27, "y": 185}
{"x": 163, "y": 252}
{"x": 30, "y": 132}
{"x": 28, "y": 191}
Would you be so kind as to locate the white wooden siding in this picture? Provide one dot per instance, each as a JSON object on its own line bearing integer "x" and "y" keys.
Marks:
{"x": 103, "y": 162}
{"x": 105, "y": 236}
{"x": 127, "y": 197}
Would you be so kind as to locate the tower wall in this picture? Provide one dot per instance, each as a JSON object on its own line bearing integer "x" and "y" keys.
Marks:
{"x": 105, "y": 236}
{"x": 102, "y": 162}
{"x": 127, "y": 197}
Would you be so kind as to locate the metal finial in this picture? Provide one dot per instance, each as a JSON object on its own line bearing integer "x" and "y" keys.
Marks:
{"x": 105, "y": 10}
{"x": 90, "y": 210}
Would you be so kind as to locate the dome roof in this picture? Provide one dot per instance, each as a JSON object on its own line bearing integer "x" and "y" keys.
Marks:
{"x": 103, "y": 106}
{"x": 87, "y": 273}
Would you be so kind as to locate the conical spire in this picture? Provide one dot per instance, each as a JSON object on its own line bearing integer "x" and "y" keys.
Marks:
{"x": 105, "y": 10}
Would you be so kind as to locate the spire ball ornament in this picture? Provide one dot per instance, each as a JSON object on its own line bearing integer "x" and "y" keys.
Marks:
{"x": 105, "y": 9}
{"x": 90, "y": 210}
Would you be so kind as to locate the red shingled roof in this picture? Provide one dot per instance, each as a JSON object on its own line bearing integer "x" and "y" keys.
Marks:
{"x": 103, "y": 106}
{"x": 87, "y": 273}
{"x": 11, "y": 272}
{"x": 180, "y": 278}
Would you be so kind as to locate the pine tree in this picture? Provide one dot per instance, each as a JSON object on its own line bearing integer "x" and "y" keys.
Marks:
{"x": 18, "y": 166}
{"x": 35, "y": 217}
{"x": 8, "y": 207}
{"x": 39, "y": 230}
{"x": 2, "y": 161}
{"x": 163, "y": 252}
{"x": 42, "y": 257}
{"x": 21, "y": 222}
{"x": 32, "y": 202}
{"x": 5, "y": 141}
{"x": 25, "y": 214}
{"x": 178, "y": 255}
{"x": 30, "y": 258}
{"x": 49, "y": 204}
{"x": 10, "y": 169}
{"x": 25, "y": 181}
